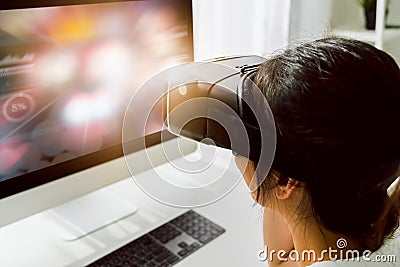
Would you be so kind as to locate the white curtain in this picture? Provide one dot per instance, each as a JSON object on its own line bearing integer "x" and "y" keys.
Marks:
{"x": 240, "y": 27}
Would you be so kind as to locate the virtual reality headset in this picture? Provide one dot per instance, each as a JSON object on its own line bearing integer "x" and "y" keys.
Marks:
{"x": 217, "y": 102}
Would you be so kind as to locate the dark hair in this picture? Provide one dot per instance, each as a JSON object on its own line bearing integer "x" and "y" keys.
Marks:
{"x": 336, "y": 105}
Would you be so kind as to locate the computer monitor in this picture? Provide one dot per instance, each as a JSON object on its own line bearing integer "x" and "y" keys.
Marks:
{"x": 68, "y": 69}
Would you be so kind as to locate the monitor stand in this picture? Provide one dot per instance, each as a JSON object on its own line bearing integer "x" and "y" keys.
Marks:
{"x": 88, "y": 213}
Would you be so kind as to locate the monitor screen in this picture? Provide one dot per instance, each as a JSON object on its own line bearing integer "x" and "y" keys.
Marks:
{"x": 67, "y": 73}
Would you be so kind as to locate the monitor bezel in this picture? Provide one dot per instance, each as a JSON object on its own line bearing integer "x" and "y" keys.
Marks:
{"x": 54, "y": 172}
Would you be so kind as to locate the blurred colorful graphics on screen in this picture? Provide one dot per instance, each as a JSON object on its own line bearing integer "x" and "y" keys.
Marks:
{"x": 67, "y": 74}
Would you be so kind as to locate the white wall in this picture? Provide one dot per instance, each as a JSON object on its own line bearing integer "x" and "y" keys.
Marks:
{"x": 394, "y": 12}
{"x": 347, "y": 14}
{"x": 315, "y": 18}
{"x": 234, "y": 27}
{"x": 309, "y": 19}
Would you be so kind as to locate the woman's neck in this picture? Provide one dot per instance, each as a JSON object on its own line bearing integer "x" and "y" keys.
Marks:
{"x": 313, "y": 243}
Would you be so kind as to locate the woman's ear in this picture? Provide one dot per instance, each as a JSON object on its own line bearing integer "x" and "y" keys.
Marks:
{"x": 285, "y": 191}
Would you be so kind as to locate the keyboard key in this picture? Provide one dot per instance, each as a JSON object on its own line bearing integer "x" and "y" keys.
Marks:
{"x": 182, "y": 253}
{"x": 172, "y": 259}
{"x": 163, "y": 264}
{"x": 205, "y": 238}
{"x": 163, "y": 256}
{"x": 183, "y": 244}
{"x": 195, "y": 245}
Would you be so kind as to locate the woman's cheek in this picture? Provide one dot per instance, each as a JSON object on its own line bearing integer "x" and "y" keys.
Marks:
{"x": 246, "y": 168}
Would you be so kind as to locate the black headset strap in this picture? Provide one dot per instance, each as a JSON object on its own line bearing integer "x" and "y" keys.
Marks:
{"x": 287, "y": 160}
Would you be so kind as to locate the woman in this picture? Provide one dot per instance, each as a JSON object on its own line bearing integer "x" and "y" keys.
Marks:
{"x": 336, "y": 104}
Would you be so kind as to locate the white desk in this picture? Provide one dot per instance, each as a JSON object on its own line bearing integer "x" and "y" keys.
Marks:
{"x": 35, "y": 241}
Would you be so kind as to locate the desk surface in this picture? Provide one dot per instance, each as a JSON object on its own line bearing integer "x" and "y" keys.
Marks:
{"x": 35, "y": 241}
